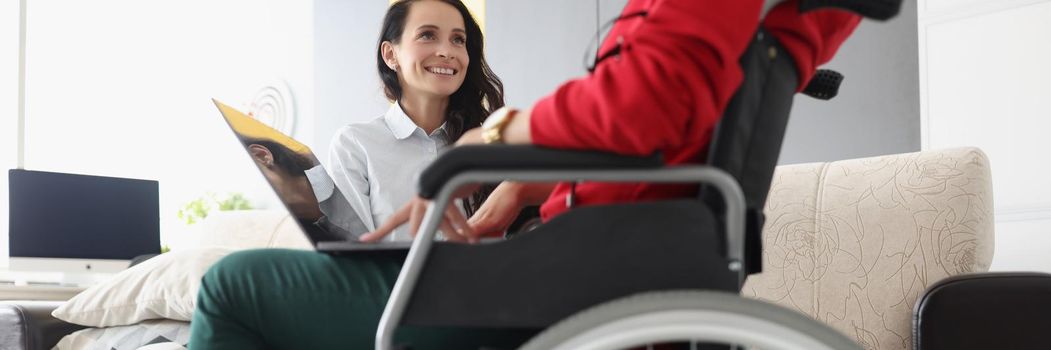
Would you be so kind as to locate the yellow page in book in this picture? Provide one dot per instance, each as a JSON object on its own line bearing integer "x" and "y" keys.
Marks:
{"x": 248, "y": 128}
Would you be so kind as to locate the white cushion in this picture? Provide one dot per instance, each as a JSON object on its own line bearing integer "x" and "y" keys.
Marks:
{"x": 166, "y": 286}
{"x": 146, "y": 335}
{"x": 246, "y": 229}
{"x": 162, "y": 287}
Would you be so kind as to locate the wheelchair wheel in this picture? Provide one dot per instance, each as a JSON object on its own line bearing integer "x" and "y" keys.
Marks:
{"x": 688, "y": 316}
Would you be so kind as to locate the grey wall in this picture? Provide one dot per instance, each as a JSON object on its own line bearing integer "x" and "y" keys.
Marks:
{"x": 878, "y": 108}
{"x": 534, "y": 46}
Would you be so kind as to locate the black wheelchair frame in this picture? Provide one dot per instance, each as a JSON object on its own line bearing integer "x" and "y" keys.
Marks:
{"x": 708, "y": 243}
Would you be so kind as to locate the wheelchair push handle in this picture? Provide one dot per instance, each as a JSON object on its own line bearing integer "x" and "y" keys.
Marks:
{"x": 873, "y": 9}
{"x": 824, "y": 85}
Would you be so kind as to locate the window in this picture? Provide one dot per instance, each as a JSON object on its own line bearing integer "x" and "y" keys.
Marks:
{"x": 123, "y": 88}
{"x": 9, "y": 13}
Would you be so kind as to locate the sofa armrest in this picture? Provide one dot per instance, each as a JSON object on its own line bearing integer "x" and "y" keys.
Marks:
{"x": 28, "y": 325}
{"x": 1002, "y": 310}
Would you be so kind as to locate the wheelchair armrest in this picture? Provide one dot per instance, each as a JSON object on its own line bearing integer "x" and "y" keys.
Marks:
{"x": 522, "y": 158}
{"x": 560, "y": 168}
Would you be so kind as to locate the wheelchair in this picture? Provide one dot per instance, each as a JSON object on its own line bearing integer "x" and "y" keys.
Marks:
{"x": 644, "y": 273}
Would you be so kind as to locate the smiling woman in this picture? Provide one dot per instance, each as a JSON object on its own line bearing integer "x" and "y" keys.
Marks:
{"x": 430, "y": 59}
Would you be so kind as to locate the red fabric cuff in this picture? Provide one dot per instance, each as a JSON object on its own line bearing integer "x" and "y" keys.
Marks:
{"x": 813, "y": 37}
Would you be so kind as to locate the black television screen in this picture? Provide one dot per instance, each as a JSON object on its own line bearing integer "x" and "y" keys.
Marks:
{"x": 56, "y": 215}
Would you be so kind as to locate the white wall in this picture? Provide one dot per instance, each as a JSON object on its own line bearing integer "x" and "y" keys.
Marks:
{"x": 128, "y": 95}
{"x": 8, "y": 105}
{"x": 984, "y": 83}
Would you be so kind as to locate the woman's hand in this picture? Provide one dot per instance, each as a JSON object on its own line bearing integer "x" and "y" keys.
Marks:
{"x": 498, "y": 211}
{"x": 495, "y": 215}
{"x": 453, "y": 224}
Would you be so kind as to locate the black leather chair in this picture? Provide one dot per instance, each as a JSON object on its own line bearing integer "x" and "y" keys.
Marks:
{"x": 28, "y": 325}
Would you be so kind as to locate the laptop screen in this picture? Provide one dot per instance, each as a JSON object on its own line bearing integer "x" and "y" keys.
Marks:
{"x": 284, "y": 163}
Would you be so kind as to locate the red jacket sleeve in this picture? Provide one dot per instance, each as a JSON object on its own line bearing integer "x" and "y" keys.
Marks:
{"x": 679, "y": 66}
{"x": 813, "y": 37}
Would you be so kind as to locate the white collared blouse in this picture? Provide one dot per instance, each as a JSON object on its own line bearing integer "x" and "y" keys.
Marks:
{"x": 376, "y": 164}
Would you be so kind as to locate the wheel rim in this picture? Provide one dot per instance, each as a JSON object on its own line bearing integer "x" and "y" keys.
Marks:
{"x": 689, "y": 316}
{"x": 693, "y": 325}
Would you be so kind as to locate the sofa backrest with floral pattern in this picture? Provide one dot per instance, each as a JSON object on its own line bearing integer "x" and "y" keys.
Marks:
{"x": 854, "y": 243}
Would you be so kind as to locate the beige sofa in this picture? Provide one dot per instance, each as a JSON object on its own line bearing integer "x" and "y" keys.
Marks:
{"x": 855, "y": 243}
{"x": 851, "y": 243}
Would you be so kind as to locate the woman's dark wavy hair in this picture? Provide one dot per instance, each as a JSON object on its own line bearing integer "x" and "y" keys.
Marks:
{"x": 482, "y": 91}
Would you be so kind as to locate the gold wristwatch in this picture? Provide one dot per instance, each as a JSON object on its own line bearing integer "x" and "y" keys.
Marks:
{"x": 493, "y": 127}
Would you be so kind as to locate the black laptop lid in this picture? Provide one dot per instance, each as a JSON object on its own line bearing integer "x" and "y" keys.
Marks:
{"x": 286, "y": 159}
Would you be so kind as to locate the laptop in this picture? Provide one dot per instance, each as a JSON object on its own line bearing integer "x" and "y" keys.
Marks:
{"x": 324, "y": 236}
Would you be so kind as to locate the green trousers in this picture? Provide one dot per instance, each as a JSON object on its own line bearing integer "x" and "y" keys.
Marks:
{"x": 290, "y": 299}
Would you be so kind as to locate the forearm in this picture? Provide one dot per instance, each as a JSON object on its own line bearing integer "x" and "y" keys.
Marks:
{"x": 529, "y": 193}
{"x": 517, "y": 131}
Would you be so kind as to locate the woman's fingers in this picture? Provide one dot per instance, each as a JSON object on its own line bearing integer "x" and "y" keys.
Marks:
{"x": 482, "y": 224}
{"x": 453, "y": 223}
{"x": 394, "y": 221}
{"x": 497, "y": 213}
{"x": 450, "y": 232}
{"x": 459, "y": 225}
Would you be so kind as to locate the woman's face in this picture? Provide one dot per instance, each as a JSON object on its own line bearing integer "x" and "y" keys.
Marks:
{"x": 431, "y": 58}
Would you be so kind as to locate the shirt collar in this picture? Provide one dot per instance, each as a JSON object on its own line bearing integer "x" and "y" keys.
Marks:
{"x": 402, "y": 126}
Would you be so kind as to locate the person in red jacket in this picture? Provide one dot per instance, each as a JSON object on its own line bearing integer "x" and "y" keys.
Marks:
{"x": 668, "y": 76}
{"x": 670, "y": 69}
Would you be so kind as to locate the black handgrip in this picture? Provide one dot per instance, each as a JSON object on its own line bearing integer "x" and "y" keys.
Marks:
{"x": 875, "y": 9}
{"x": 824, "y": 85}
